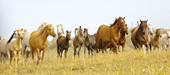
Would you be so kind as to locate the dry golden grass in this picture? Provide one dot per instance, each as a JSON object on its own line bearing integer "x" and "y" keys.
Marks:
{"x": 125, "y": 63}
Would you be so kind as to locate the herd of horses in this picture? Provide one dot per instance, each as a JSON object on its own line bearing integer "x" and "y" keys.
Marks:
{"x": 27, "y": 42}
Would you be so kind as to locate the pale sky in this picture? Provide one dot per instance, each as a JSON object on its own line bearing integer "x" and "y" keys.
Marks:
{"x": 29, "y": 14}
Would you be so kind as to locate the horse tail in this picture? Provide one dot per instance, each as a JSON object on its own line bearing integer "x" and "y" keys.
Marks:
{"x": 11, "y": 38}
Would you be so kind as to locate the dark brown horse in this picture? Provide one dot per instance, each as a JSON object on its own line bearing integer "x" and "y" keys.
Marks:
{"x": 110, "y": 34}
{"x": 63, "y": 44}
{"x": 139, "y": 35}
{"x": 122, "y": 38}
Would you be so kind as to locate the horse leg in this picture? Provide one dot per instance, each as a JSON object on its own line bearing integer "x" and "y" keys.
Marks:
{"x": 146, "y": 47}
{"x": 15, "y": 57}
{"x": 118, "y": 46}
{"x": 18, "y": 56}
{"x": 66, "y": 53}
{"x": 10, "y": 52}
{"x": 38, "y": 53}
{"x": 106, "y": 46}
{"x": 32, "y": 52}
{"x": 74, "y": 51}
{"x": 84, "y": 50}
{"x": 114, "y": 45}
{"x": 123, "y": 46}
{"x": 42, "y": 58}
{"x": 79, "y": 51}
{"x": 89, "y": 51}
{"x": 58, "y": 51}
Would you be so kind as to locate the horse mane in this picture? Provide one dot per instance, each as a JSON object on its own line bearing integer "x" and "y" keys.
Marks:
{"x": 11, "y": 37}
{"x": 42, "y": 30}
{"x": 116, "y": 20}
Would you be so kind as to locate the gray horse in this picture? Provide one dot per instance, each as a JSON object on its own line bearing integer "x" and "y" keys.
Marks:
{"x": 89, "y": 42}
{"x": 78, "y": 41}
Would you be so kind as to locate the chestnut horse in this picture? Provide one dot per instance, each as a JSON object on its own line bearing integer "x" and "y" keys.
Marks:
{"x": 14, "y": 46}
{"x": 63, "y": 44}
{"x": 38, "y": 41}
{"x": 78, "y": 41}
{"x": 110, "y": 34}
{"x": 139, "y": 35}
{"x": 122, "y": 39}
{"x": 155, "y": 41}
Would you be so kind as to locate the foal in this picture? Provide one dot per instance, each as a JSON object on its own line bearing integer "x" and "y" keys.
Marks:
{"x": 155, "y": 41}
{"x": 63, "y": 44}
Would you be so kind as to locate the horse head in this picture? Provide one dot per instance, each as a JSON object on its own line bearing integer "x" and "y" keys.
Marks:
{"x": 20, "y": 34}
{"x": 158, "y": 32}
{"x": 60, "y": 29}
{"x": 121, "y": 23}
{"x": 76, "y": 32}
{"x": 50, "y": 30}
{"x": 150, "y": 29}
{"x": 143, "y": 26}
{"x": 85, "y": 32}
{"x": 68, "y": 35}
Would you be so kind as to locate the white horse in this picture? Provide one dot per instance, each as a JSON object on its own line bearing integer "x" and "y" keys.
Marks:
{"x": 165, "y": 40}
{"x": 60, "y": 32}
{"x": 14, "y": 46}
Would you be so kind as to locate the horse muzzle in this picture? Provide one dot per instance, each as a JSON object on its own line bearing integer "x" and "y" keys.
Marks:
{"x": 53, "y": 35}
{"x": 126, "y": 33}
{"x": 143, "y": 33}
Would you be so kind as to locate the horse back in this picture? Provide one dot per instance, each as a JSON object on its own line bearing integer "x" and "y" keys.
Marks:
{"x": 103, "y": 33}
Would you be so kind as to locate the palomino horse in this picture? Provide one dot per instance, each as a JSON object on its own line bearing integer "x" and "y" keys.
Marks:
{"x": 14, "y": 46}
{"x": 78, "y": 41}
{"x": 122, "y": 39}
{"x": 60, "y": 32}
{"x": 63, "y": 44}
{"x": 25, "y": 41}
{"x": 110, "y": 34}
{"x": 155, "y": 41}
{"x": 38, "y": 40}
{"x": 3, "y": 48}
{"x": 139, "y": 35}
{"x": 164, "y": 40}
{"x": 89, "y": 41}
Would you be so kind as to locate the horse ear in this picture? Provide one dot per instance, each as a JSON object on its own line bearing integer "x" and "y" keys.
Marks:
{"x": 126, "y": 25}
{"x": 147, "y": 20}
{"x": 140, "y": 20}
{"x": 124, "y": 17}
{"x": 67, "y": 31}
{"x": 115, "y": 18}
{"x": 70, "y": 31}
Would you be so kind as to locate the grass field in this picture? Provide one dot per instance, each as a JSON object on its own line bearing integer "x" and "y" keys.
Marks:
{"x": 129, "y": 62}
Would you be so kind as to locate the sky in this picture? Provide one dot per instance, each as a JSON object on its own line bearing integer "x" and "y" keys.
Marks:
{"x": 91, "y": 14}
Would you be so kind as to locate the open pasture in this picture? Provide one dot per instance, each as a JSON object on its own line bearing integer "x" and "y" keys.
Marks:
{"x": 124, "y": 63}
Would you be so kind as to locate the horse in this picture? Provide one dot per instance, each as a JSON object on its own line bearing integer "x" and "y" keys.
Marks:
{"x": 60, "y": 32}
{"x": 89, "y": 41}
{"x": 78, "y": 41}
{"x": 14, "y": 46}
{"x": 63, "y": 44}
{"x": 164, "y": 40}
{"x": 3, "y": 48}
{"x": 25, "y": 42}
{"x": 122, "y": 39}
{"x": 155, "y": 41}
{"x": 110, "y": 34}
{"x": 139, "y": 35}
{"x": 38, "y": 41}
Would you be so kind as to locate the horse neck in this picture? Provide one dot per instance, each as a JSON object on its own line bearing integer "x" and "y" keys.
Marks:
{"x": 87, "y": 38}
{"x": 122, "y": 35}
{"x": 157, "y": 37}
{"x": 44, "y": 35}
{"x": 116, "y": 27}
{"x": 18, "y": 41}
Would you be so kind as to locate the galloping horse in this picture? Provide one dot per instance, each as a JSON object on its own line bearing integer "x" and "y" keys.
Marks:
{"x": 38, "y": 40}
{"x": 60, "y": 32}
{"x": 110, "y": 34}
{"x": 122, "y": 39}
{"x": 63, "y": 44}
{"x": 155, "y": 41}
{"x": 139, "y": 35}
{"x": 14, "y": 46}
{"x": 78, "y": 41}
{"x": 89, "y": 42}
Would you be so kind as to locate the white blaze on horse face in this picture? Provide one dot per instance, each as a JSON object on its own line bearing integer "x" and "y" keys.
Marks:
{"x": 76, "y": 32}
{"x": 150, "y": 29}
{"x": 59, "y": 29}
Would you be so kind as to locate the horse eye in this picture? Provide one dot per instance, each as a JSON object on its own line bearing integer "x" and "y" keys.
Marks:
{"x": 49, "y": 29}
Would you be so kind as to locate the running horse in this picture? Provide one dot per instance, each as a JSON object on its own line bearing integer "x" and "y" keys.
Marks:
{"x": 110, "y": 34}
{"x": 38, "y": 41}
{"x": 139, "y": 35}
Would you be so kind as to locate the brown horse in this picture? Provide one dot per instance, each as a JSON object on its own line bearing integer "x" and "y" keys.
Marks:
{"x": 38, "y": 40}
{"x": 155, "y": 41}
{"x": 139, "y": 35}
{"x": 78, "y": 41}
{"x": 63, "y": 44}
{"x": 122, "y": 39}
{"x": 110, "y": 34}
